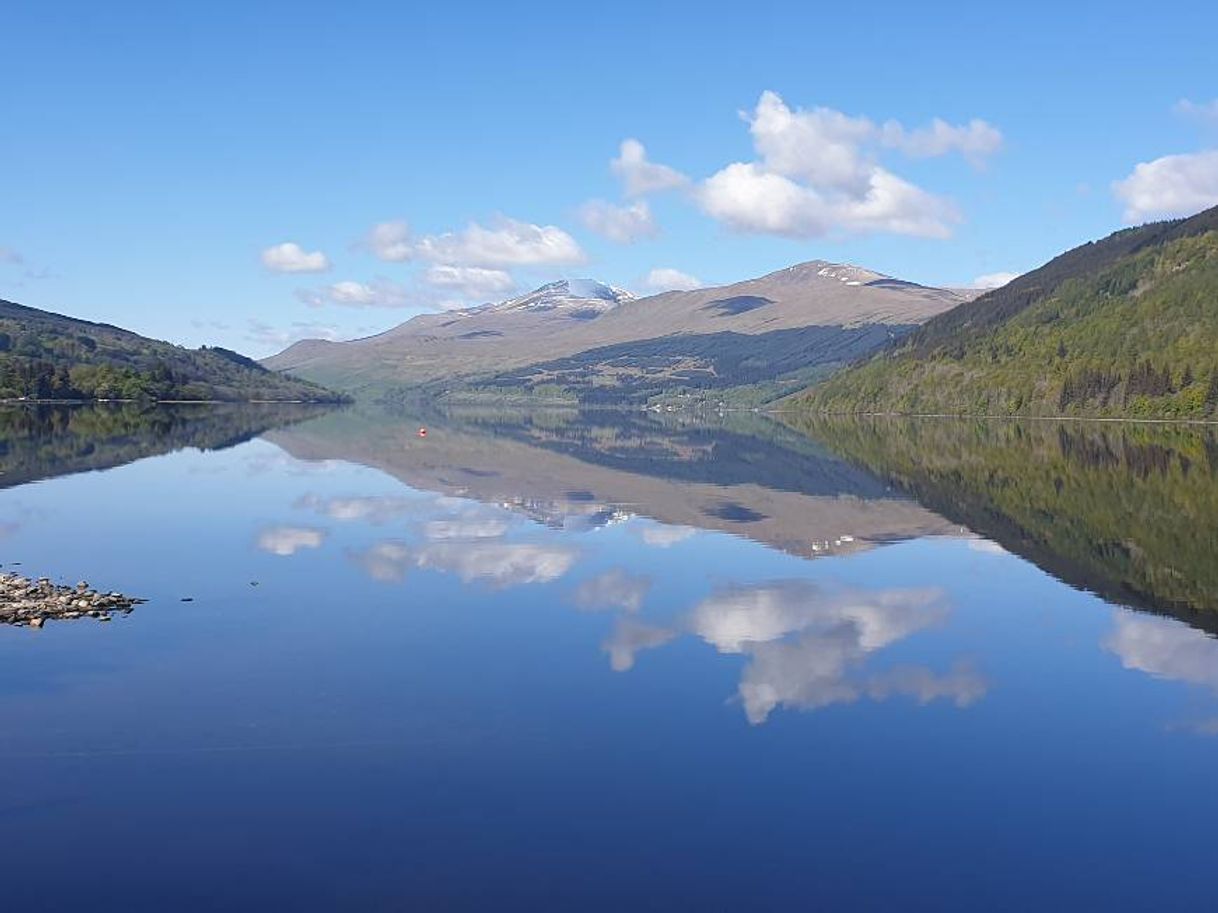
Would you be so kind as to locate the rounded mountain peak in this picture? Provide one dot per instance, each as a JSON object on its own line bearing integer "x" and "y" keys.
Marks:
{"x": 581, "y": 293}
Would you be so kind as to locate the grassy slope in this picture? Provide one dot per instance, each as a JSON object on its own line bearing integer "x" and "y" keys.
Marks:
{"x": 52, "y": 356}
{"x": 1089, "y": 323}
{"x": 695, "y": 364}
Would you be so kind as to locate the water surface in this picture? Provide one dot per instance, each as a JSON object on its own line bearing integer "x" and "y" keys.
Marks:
{"x": 611, "y": 661}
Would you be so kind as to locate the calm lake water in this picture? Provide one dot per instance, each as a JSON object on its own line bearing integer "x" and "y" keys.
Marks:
{"x": 611, "y": 661}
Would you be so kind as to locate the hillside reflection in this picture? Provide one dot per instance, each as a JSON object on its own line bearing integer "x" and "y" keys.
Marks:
{"x": 46, "y": 441}
{"x": 1127, "y": 511}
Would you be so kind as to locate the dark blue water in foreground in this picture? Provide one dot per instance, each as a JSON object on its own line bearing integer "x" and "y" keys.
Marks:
{"x": 486, "y": 670}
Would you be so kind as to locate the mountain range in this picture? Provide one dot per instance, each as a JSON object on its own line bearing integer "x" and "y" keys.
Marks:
{"x": 1123, "y": 327}
{"x": 591, "y": 342}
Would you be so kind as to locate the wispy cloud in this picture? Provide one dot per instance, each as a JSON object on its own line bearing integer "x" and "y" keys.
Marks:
{"x": 498, "y": 564}
{"x": 375, "y": 509}
{"x": 288, "y": 540}
{"x": 994, "y": 280}
{"x": 390, "y": 241}
{"x": 465, "y": 529}
{"x": 271, "y": 336}
{"x": 639, "y": 176}
{"x": 976, "y": 140}
{"x": 470, "y": 282}
{"x": 621, "y": 224}
{"x": 629, "y": 638}
{"x": 1204, "y": 111}
{"x": 614, "y": 589}
{"x": 661, "y": 535}
{"x": 667, "y": 279}
{"x": 505, "y": 243}
{"x": 378, "y": 293}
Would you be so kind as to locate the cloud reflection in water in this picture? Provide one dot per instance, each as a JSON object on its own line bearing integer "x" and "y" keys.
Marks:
{"x": 807, "y": 644}
{"x": 1168, "y": 649}
{"x": 288, "y": 540}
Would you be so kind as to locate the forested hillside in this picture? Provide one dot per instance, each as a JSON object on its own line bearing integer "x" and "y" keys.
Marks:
{"x": 49, "y": 356}
{"x": 1124, "y": 327}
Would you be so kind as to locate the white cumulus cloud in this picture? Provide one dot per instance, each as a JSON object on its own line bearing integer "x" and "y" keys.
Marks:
{"x": 748, "y": 198}
{"x": 640, "y": 176}
{"x": 290, "y": 257}
{"x": 622, "y": 224}
{"x": 667, "y": 279}
{"x": 817, "y": 173}
{"x": 379, "y": 293}
{"x": 821, "y": 147}
{"x": 892, "y": 204}
{"x": 1174, "y": 185}
{"x": 506, "y": 243}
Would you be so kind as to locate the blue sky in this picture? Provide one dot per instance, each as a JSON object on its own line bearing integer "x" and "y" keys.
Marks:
{"x": 154, "y": 158}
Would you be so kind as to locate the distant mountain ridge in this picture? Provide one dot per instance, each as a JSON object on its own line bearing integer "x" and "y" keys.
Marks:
{"x": 44, "y": 355}
{"x": 806, "y": 317}
{"x": 1124, "y": 326}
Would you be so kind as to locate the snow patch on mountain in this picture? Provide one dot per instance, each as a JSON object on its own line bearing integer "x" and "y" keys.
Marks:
{"x": 567, "y": 293}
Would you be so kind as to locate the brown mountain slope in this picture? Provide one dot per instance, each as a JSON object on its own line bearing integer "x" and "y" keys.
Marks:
{"x": 556, "y": 322}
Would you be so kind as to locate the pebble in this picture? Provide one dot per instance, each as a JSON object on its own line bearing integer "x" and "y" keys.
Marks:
{"x": 30, "y": 603}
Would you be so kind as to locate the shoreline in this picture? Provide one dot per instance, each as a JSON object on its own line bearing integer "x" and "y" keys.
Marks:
{"x": 26, "y": 401}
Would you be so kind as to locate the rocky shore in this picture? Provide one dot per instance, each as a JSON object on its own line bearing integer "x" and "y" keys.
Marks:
{"x": 27, "y": 602}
